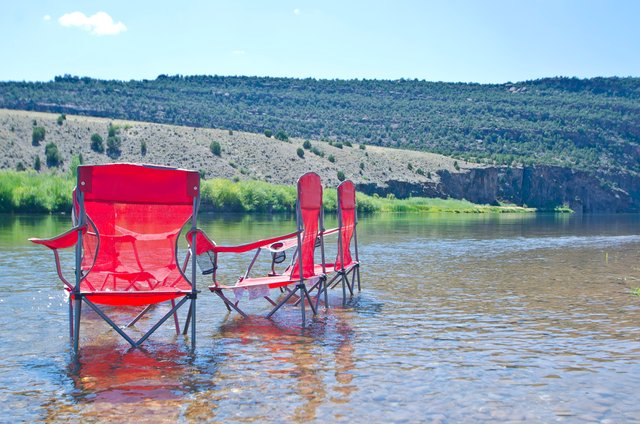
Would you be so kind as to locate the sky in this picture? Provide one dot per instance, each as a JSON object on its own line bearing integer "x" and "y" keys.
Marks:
{"x": 485, "y": 41}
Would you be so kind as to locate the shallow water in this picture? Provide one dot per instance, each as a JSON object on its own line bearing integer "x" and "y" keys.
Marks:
{"x": 461, "y": 319}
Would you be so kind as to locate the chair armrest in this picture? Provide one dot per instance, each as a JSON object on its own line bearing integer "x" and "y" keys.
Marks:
{"x": 67, "y": 239}
{"x": 256, "y": 244}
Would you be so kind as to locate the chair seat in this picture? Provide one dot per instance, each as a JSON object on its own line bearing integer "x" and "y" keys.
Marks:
{"x": 129, "y": 298}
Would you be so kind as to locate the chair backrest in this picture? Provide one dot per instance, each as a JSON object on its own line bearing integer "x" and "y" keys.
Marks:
{"x": 308, "y": 211}
{"x": 138, "y": 212}
{"x": 346, "y": 222}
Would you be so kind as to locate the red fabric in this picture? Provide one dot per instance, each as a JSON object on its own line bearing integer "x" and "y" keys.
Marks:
{"x": 137, "y": 232}
{"x": 310, "y": 203}
{"x": 347, "y": 200}
{"x": 133, "y": 183}
{"x": 63, "y": 241}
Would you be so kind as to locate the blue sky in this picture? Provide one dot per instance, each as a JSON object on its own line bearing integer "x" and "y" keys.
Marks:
{"x": 448, "y": 40}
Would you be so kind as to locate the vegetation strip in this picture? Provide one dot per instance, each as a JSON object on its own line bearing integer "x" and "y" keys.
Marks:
{"x": 33, "y": 192}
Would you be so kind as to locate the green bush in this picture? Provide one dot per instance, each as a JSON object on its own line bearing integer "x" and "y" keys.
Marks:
{"x": 268, "y": 133}
{"x": 37, "y": 135}
{"x": 348, "y": 144}
{"x": 113, "y": 147}
{"x": 362, "y": 146}
{"x": 112, "y": 130}
{"x": 337, "y": 144}
{"x": 341, "y": 176}
{"x": 61, "y": 119}
{"x": 20, "y": 167}
{"x": 36, "y": 163}
{"x": 96, "y": 143}
{"x": 419, "y": 171}
{"x": 300, "y": 153}
{"x": 143, "y": 148}
{"x": 456, "y": 166}
{"x": 410, "y": 167}
{"x": 52, "y": 155}
{"x": 317, "y": 152}
{"x": 331, "y": 159}
{"x": 215, "y": 147}
{"x": 362, "y": 165}
{"x": 306, "y": 144}
{"x": 282, "y": 136}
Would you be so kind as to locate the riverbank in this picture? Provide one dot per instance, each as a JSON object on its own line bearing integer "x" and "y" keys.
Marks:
{"x": 31, "y": 192}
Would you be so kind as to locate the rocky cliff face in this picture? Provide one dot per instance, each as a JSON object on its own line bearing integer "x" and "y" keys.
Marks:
{"x": 542, "y": 187}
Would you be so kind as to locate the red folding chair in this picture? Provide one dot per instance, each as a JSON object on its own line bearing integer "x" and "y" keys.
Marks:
{"x": 309, "y": 218}
{"x": 347, "y": 266}
{"x": 128, "y": 219}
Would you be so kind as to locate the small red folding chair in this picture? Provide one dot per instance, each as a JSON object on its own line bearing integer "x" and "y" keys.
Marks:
{"x": 128, "y": 219}
{"x": 309, "y": 218}
{"x": 347, "y": 266}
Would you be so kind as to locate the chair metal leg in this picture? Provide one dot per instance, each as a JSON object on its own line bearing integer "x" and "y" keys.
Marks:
{"x": 186, "y": 324}
{"x": 175, "y": 317}
{"x": 140, "y": 315}
{"x": 282, "y": 302}
{"x": 302, "y": 289}
{"x": 193, "y": 325}
{"x": 77, "y": 303}
{"x": 108, "y": 321}
{"x": 229, "y": 303}
{"x": 358, "y": 272}
{"x": 162, "y": 320}
{"x": 70, "y": 319}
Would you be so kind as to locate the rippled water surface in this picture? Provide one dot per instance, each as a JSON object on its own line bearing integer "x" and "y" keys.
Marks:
{"x": 461, "y": 319}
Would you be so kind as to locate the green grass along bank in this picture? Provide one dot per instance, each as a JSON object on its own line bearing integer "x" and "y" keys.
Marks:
{"x": 31, "y": 192}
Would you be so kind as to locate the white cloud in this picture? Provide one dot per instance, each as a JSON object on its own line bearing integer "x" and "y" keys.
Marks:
{"x": 46, "y": 18}
{"x": 99, "y": 24}
{"x": 296, "y": 11}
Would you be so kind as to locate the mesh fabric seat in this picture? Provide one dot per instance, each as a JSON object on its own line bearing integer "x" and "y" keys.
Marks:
{"x": 128, "y": 221}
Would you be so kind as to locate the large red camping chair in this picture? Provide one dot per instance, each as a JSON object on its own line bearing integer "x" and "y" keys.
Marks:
{"x": 347, "y": 265}
{"x": 309, "y": 218}
{"x": 128, "y": 219}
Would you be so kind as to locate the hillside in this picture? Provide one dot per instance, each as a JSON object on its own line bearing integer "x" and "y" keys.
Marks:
{"x": 243, "y": 155}
{"x": 591, "y": 125}
{"x": 246, "y": 156}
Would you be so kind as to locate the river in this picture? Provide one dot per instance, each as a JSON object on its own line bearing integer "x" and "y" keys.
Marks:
{"x": 461, "y": 318}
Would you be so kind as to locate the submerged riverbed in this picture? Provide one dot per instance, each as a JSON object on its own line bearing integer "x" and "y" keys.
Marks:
{"x": 462, "y": 318}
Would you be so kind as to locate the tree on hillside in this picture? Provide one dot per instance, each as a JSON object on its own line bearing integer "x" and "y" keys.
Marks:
{"x": 37, "y": 135}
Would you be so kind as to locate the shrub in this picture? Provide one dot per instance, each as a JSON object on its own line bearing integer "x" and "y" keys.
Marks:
{"x": 282, "y": 136}
{"x": 75, "y": 162}
{"x": 52, "y": 154}
{"x": 362, "y": 165}
{"x": 331, "y": 159}
{"x": 268, "y": 133}
{"x": 410, "y": 167}
{"x": 230, "y": 132}
{"x": 317, "y": 151}
{"x": 429, "y": 175}
{"x": 113, "y": 146}
{"x": 362, "y": 147}
{"x": 20, "y": 167}
{"x": 112, "y": 130}
{"x": 306, "y": 144}
{"x": 300, "y": 153}
{"x": 61, "y": 119}
{"x": 341, "y": 176}
{"x": 455, "y": 165}
{"x": 36, "y": 163}
{"x": 37, "y": 135}
{"x": 348, "y": 144}
{"x": 143, "y": 148}
{"x": 419, "y": 171}
{"x": 337, "y": 144}
{"x": 96, "y": 143}
{"x": 215, "y": 148}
